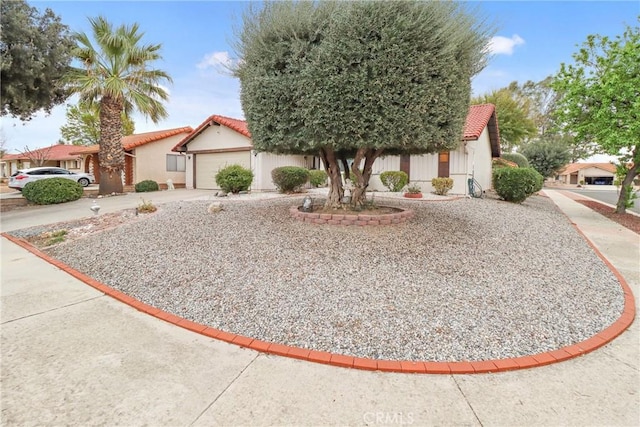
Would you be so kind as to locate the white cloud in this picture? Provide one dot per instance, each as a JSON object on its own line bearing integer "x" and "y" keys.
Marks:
{"x": 216, "y": 60}
{"x": 500, "y": 45}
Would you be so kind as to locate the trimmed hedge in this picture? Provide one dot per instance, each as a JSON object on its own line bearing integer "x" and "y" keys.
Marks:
{"x": 394, "y": 180}
{"x": 317, "y": 178}
{"x": 289, "y": 179}
{"x": 234, "y": 178}
{"x": 51, "y": 191}
{"x": 146, "y": 186}
{"x": 516, "y": 158}
{"x": 442, "y": 185}
{"x": 516, "y": 184}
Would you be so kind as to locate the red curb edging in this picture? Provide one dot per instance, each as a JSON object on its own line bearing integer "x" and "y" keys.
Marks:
{"x": 417, "y": 367}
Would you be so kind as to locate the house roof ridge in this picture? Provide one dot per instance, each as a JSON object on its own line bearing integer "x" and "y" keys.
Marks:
{"x": 238, "y": 125}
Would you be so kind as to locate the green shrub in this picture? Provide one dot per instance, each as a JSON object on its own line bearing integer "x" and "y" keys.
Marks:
{"x": 442, "y": 185}
{"x": 289, "y": 179}
{"x": 516, "y": 184}
{"x": 394, "y": 180}
{"x": 317, "y": 178}
{"x": 146, "y": 186}
{"x": 52, "y": 190}
{"x": 234, "y": 178}
{"x": 516, "y": 158}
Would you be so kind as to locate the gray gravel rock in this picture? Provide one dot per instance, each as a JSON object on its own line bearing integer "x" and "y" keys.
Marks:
{"x": 467, "y": 279}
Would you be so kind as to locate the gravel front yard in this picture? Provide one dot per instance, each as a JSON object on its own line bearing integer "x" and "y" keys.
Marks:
{"x": 467, "y": 279}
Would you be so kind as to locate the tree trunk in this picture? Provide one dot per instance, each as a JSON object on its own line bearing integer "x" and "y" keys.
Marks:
{"x": 345, "y": 167}
{"x": 627, "y": 182}
{"x": 361, "y": 179}
{"x": 336, "y": 191}
{"x": 111, "y": 155}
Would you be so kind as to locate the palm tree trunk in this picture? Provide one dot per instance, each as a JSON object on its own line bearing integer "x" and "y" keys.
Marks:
{"x": 111, "y": 155}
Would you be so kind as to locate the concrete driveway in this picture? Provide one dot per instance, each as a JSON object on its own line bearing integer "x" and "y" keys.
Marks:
{"x": 73, "y": 356}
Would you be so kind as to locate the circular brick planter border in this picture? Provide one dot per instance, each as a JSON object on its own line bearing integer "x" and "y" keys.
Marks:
{"x": 343, "y": 219}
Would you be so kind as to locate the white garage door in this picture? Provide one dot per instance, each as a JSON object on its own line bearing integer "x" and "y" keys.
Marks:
{"x": 207, "y": 165}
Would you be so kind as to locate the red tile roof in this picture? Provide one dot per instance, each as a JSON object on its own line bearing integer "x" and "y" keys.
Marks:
{"x": 54, "y": 152}
{"x": 479, "y": 117}
{"x": 574, "y": 167}
{"x": 136, "y": 140}
{"x": 239, "y": 126}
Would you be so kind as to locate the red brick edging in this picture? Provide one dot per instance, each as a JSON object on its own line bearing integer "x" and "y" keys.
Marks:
{"x": 343, "y": 219}
{"x": 402, "y": 366}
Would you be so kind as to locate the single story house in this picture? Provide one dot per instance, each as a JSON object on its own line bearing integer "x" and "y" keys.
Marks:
{"x": 472, "y": 159}
{"x": 590, "y": 173}
{"x": 58, "y": 155}
{"x": 147, "y": 156}
{"x": 220, "y": 141}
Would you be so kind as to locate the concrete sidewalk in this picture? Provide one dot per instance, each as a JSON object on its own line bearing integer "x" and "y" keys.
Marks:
{"x": 72, "y": 356}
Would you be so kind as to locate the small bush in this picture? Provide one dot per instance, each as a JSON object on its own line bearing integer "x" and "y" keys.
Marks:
{"x": 442, "y": 185}
{"x": 146, "y": 186}
{"x": 317, "y": 178}
{"x": 146, "y": 206}
{"x": 394, "y": 180}
{"x": 516, "y": 158}
{"x": 51, "y": 191}
{"x": 516, "y": 184}
{"x": 234, "y": 179}
{"x": 289, "y": 179}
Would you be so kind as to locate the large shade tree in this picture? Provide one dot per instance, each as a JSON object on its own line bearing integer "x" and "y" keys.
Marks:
{"x": 35, "y": 52}
{"x": 357, "y": 80}
{"x": 117, "y": 73}
{"x": 600, "y": 98}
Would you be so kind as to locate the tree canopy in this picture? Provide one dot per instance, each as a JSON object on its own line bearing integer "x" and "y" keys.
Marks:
{"x": 83, "y": 124}
{"x": 600, "y": 97}
{"x": 547, "y": 155}
{"x": 513, "y": 110}
{"x": 117, "y": 73}
{"x": 358, "y": 79}
{"x": 36, "y": 52}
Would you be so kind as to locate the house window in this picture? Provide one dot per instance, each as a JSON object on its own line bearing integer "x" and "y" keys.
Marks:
{"x": 73, "y": 164}
{"x": 443, "y": 164}
{"x": 176, "y": 163}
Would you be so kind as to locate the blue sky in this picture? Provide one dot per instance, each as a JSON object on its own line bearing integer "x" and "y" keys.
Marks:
{"x": 533, "y": 38}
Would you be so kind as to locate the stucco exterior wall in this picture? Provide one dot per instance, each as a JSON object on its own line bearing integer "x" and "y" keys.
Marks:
{"x": 480, "y": 160}
{"x": 217, "y": 137}
{"x": 150, "y": 161}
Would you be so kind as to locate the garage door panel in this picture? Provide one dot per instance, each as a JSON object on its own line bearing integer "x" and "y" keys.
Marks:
{"x": 207, "y": 165}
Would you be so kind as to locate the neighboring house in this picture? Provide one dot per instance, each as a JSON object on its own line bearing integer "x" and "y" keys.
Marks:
{"x": 222, "y": 141}
{"x": 147, "y": 156}
{"x": 590, "y": 173}
{"x": 58, "y": 155}
{"x": 472, "y": 159}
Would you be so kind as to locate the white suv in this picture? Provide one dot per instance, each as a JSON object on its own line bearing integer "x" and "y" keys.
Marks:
{"x": 23, "y": 176}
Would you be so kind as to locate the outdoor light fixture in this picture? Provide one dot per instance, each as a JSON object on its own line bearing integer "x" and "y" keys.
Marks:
{"x": 307, "y": 204}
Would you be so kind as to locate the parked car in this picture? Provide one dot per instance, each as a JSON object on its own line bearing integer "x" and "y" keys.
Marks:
{"x": 22, "y": 177}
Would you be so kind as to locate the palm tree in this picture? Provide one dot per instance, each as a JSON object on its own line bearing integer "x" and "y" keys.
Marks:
{"x": 116, "y": 74}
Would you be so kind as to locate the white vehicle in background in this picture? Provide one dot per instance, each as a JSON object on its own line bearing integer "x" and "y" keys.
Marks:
{"x": 24, "y": 176}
